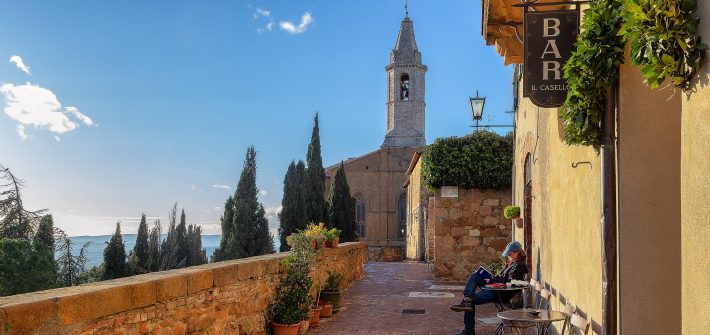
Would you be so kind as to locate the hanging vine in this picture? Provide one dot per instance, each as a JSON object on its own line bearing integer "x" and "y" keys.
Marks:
{"x": 592, "y": 68}
{"x": 664, "y": 41}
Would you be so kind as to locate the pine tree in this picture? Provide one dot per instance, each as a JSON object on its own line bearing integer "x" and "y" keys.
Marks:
{"x": 115, "y": 256}
{"x": 315, "y": 179}
{"x": 341, "y": 206}
{"x": 293, "y": 210}
{"x": 71, "y": 267}
{"x": 138, "y": 260}
{"x": 45, "y": 231}
{"x": 16, "y": 222}
{"x": 248, "y": 234}
{"x": 197, "y": 255}
{"x": 25, "y": 266}
{"x": 154, "y": 247}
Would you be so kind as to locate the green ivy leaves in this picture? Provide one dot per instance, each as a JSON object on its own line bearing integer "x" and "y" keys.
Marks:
{"x": 483, "y": 159}
{"x": 592, "y": 68}
{"x": 663, "y": 40}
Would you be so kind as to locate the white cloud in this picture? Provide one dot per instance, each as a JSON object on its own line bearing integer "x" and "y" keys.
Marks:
{"x": 292, "y": 28}
{"x": 272, "y": 214}
{"x": 32, "y": 105}
{"x": 222, "y": 186}
{"x": 17, "y": 60}
{"x": 270, "y": 26}
{"x": 263, "y": 192}
{"x": 259, "y": 12}
{"x": 83, "y": 118}
{"x": 56, "y": 138}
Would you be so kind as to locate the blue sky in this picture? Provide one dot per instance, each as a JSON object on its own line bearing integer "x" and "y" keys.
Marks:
{"x": 159, "y": 100}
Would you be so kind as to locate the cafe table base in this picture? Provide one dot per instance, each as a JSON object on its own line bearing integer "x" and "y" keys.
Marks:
{"x": 499, "y": 301}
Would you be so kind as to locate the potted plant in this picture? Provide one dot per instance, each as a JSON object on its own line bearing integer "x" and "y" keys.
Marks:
{"x": 331, "y": 291}
{"x": 327, "y": 310}
{"x": 293, "y": 303}
{"x": 332, "y": 236}
{"x": 512, "y": 212}
{"x": 316, "y": 235}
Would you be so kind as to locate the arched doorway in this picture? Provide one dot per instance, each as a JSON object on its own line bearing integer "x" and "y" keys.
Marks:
{"x": 527, "y": 210}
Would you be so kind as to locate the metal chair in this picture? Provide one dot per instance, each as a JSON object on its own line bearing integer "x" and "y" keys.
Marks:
{"x": 569, "y": 311}
{"x": 577, "y": 322}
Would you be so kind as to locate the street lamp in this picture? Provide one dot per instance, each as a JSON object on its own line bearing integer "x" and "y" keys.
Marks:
{"x": 477, "y": 104}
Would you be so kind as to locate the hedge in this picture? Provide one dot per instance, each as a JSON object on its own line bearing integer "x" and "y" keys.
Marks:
{"x": 483, "y": 159}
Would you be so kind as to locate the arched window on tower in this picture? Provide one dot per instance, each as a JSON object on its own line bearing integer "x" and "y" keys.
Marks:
{"x": 404, "y": 87}
{"x": 402, "y": 205}
{"x": 360, "y": 215}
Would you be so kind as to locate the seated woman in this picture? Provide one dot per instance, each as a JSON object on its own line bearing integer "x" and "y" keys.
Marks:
{"x": 515, "y": 269}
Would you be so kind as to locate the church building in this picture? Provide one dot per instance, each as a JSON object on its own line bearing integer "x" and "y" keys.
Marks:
{"x": 376, "y": 178}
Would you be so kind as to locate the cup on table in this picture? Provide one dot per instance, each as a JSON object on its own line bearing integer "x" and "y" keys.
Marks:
{"x": 508, "y": 285}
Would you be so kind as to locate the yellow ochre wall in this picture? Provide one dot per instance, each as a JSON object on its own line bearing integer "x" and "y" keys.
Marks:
{"x": 565, "y": 211}
{"x": 649, "y": 214}
{"x": 415, "y": 219}
{"x": 695, "y": 195}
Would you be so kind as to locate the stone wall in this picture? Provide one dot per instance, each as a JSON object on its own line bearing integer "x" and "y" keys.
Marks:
{"x": 470, "y": 230}
{"x": 220, "y": 298}
{"x": 385, "y": 254}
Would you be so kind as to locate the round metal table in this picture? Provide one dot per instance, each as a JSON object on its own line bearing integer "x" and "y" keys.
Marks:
{"x": 543, "y": 320}
{"x": 499, "y": 304}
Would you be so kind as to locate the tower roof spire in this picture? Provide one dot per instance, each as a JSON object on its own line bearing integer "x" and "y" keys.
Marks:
{"x": 405, "y": 50}
{"x": 406, "y": 9}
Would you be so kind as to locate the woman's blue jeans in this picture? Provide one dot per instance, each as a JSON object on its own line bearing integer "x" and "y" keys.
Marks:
{"x": 483, "y": 297}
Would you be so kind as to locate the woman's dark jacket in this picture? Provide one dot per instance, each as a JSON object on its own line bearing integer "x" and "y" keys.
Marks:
{"x": 515, "y": 270}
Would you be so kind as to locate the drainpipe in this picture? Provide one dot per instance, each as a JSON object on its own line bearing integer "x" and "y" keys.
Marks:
{"x": 609, "y": 217}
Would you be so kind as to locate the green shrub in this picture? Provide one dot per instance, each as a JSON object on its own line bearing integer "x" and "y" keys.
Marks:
{"x": 483, "y": 159}
{"x": 26, "y": 267}
{"x": 332, "y": 284}
{"x": 511, "y": 212}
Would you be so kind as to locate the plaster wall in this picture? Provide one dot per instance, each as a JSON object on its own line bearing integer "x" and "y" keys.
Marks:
{"x": 649, "y": 209}
{"x": 566, "y": 232}
{"x": 417, "y": 196}
{"x": 695, "y": 192}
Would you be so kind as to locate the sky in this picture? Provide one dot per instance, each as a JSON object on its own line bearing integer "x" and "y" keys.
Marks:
{"x": 113, "y": 109}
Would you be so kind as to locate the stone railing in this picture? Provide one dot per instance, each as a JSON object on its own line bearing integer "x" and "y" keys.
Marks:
{"x": 219, "y": 298}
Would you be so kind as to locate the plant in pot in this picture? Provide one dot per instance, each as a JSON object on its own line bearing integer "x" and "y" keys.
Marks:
{"x": 332, "y": 236}
{"x": 331, "y": 290}
{"x": 293, "y": 303}
{"x": 316, "y": 235}
{"x": 513, "y": 212}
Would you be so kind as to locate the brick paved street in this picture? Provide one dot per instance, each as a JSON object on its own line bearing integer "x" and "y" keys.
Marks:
{"x": 374, "y": 304}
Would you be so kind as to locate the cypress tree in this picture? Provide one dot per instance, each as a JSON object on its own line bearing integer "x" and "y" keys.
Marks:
{"x": 170, "y": 251}
{"x": 183, "y": 251}
{"x": 341, "y": 206}
{"x": 316, "y": 210}
{"x": 139, "y": 258}
{"x": 154, "y": 247}
{"x": 115, "y": 256}
{"x": 197, "y": 255}
{"x": 45, "y": 231}
{"x": 248, "y": 234}
{"x": 293, "y": 211}
{"x": 227, "y": 240}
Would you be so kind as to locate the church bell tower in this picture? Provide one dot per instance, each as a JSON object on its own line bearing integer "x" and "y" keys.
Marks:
{"x": 405, "y": 91}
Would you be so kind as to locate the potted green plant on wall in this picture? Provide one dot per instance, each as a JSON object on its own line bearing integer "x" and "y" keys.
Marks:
{"x": 331, "y": 291}
{"x": 316, "y": 235}
{"x": 293, "y": 303}
{"x": 513, "y": 212}
{"x": 332, "y": 236}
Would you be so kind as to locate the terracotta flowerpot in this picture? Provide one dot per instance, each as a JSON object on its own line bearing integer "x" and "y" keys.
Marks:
{"x": 280, "y": 329}
{"x": 315, "y": 317}
{"x": 305, "y": 324}
{"x": 333, "y": 243}
{"x": 331, "y": 297}
{"x": 518, "y": 222}
{"x": 327, "y": 309}
{"x": 314, "y": 245}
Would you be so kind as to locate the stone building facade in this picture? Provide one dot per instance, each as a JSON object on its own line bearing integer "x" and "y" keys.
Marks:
{"x": 376, "y": 178}
{"x": 418, "y": 237}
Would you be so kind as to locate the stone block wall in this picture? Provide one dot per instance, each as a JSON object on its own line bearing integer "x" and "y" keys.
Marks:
{"x": 385, "y": 254}
{"x": 469, "y": 230}
{"x": 219, "y": 298}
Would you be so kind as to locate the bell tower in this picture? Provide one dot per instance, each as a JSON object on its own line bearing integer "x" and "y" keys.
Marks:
{"x": 405, "y": 91}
